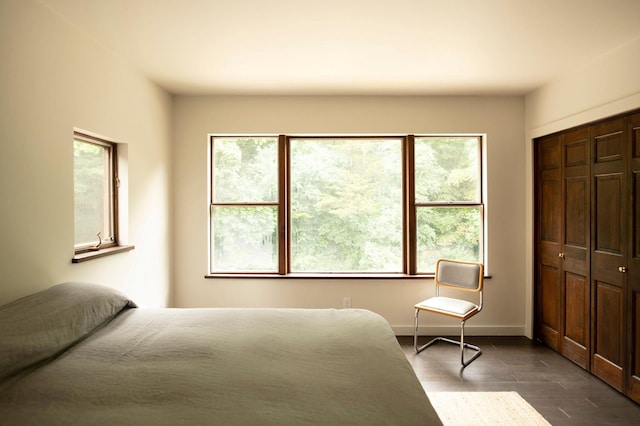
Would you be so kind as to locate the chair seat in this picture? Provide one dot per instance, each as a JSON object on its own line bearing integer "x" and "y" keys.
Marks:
{"x": 448, "y": 306}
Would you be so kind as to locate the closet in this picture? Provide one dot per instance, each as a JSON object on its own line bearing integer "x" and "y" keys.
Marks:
{"x": 587, "y": 248}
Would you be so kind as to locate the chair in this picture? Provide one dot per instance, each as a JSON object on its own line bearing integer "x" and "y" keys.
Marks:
{"x": 458, "y": 275}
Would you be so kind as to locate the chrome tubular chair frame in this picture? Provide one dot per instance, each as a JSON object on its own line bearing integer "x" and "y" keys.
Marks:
{"x": 469, "y": 279}
{"x": 460, "y": 342}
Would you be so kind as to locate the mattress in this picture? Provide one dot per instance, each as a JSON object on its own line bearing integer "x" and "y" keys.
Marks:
{"x": 84, "y": 354}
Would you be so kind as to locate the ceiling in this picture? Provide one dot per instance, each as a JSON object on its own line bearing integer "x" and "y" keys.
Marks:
{"x": 355, "y": 47}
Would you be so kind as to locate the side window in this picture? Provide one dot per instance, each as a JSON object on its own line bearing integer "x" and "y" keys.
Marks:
{"x": 95, "y": 185}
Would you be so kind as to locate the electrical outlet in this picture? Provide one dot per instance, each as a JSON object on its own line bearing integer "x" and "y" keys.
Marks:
{"x": 346, "y": 302}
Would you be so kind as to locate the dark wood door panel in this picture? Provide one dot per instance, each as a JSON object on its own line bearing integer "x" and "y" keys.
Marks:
{"x": 605, "y": 267}
{"x": 609, "y": 322}
{"x": 548, "y": 154}
{"x": 609, "y": 230}
{"x": 609, "y": 250}
{"x": 608, "y": 351}
{"x": 550, "y": 210}
{"x": 609, "y": 372}
{"x": 576, "y": 259}
{"x": 576, "y": 150}
{"x": 633, "y": 269}
{"x": 609, "y": 192}
{"x": 609, "y": 141}
{"x": 609, "y": 202}
{"x": 634, "y": 133}
{"x": 550, "y": 296}
{"x": 549, "y": 253}
{"x": 576, "y": 319}
{"x": 635, "y": 220}
{"x": 608, "y": 216}
{"x": 576, "y": 225}
{"x": 575, "y": 310}
{"x": 576, "y": 211}
{"x": 633, "y": 339}
{"x": 548, "y": 206}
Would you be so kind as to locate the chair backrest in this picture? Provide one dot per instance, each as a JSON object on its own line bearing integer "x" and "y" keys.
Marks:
{"x": 463, "y": 275}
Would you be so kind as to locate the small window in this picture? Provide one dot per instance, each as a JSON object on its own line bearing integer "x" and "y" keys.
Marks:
{"x": 95, "y": 193}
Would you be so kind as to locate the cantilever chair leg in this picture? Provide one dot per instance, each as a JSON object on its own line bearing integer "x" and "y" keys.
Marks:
{"x": 461, "y": 342}
{"x": 463, "y": 345}
{"x": 415, "y": 333}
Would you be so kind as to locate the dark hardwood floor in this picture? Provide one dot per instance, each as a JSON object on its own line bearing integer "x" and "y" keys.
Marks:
{"x": 562, "y": 392}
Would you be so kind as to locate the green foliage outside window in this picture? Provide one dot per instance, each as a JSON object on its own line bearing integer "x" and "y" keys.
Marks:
{"x": 346, "y": 205}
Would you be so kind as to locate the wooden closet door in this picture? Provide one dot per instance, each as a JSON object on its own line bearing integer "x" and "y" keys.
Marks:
{"x": 609, "y": 250}
{"x": 548, "y": 291}
{"x": 575, "y": 255}
{"x": 633, "y": 270}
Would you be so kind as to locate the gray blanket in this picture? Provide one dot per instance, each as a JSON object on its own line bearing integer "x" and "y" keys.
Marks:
{"x": 223, "y": 366}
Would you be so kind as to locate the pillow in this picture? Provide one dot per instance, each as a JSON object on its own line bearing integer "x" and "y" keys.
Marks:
{"x": 42, "y": 325}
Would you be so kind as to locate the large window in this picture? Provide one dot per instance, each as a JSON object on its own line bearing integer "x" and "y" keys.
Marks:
{"x": 295, "y": 205}
{"x": 94, "y": 192}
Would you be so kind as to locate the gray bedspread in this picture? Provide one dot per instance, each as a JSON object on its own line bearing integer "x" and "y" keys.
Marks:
{"x": 224, "y": 367}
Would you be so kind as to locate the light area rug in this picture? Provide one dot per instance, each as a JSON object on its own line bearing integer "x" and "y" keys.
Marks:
{"x": 484, "y": 408}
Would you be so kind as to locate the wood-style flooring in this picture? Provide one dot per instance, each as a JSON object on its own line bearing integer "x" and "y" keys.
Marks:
{"x": 562, "y": 392}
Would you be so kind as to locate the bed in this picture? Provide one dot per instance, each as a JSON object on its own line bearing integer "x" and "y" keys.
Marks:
{"x": 80, "y": 353}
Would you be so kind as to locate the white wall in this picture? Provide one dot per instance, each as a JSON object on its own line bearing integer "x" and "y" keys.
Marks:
{"x": 52, "y": 79}
{"x": 607, "y": 86}
{"x": 501, "y": 118}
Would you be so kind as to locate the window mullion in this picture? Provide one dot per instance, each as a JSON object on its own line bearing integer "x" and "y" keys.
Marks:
{"x": 409, "y": 198}
{"x": 115, "y": 187}
{"x": 283, "y": 205}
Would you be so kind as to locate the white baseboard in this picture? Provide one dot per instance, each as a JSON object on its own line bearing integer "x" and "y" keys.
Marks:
{"x": 469, "y": 330}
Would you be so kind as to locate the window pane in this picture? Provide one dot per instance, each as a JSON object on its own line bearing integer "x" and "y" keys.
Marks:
{"x": 447, "y": 169}
{"x": 244, "y": 239}
{"x": 92, "y": 193}
{"x": 346, "y": 205}
{"x": 245, "y": 169}
{"x": 448, "y": 232}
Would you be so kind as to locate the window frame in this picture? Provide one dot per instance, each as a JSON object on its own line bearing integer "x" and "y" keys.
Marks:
{"x": 415, "y": 205}
{"x": 111, "y": 244}
{"x": 409, "y": 206}
{"x": 403, "y": 148}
